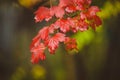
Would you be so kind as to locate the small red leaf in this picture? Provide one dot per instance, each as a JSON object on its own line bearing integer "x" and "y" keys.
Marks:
{"x": 63, "y": 24}
{"x": 53, "y": 42}
{"x": 38, "y": 53}
{"x": 44, "y": 33}
{"x": 57, "y": 11}
{"x": 93, "y": 10}
{"x": 70, "y": 43}
{"x": 42, "y": 13}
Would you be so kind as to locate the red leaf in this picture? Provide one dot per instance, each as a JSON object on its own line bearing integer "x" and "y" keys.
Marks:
{"x": 42, "y": 13}
{"x": 91, "y": 16}
{"x": 70, "y": 8}
{"x": 83, "y": 26}
{"x": 44, "y": 33}
{"x": 85, "y": 2}
{"x": 39, "y": 48}
{"x": 96, "y": 21}
{"x": 70, "y": 43}
{"x": 53, "y": 42}
{"x": 69, "y": 5}
{"x": 64, "y": 3}
{"x": 38, "y": 53}
{"x": 82, "y": 4}
{"x": 73, "y": 22}
{"x": 60, "y": 37}
{"x": 63, "y": 24}
{"x": 35, "y": 42}
{"x": 57, "y": 11}
{"x": 90, "y": 12}
{"x": 93, "y": 10}
{"x": 37, "y": 56}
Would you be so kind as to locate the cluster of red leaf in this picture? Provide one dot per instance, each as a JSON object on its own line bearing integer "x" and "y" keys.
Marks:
{"x": 50, "y": 36}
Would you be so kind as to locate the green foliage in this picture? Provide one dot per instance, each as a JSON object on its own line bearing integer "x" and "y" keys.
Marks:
{"x": 110, "y": 9}
{"x": 83, "y": 38}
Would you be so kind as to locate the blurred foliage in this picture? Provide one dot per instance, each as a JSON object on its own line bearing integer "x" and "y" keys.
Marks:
{"x": 28, "y": 3}
{"x": 38, "y": 72}
{"x": 83, "y": 38}
{"x": 110, "y": 9}
{"x": 19, "y": 74}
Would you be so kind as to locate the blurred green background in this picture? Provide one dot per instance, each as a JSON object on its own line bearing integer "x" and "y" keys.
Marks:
{"x": 98, "y": 57}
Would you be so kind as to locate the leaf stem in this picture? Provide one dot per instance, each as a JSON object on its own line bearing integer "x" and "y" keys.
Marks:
{"x": 50, "y": 3}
